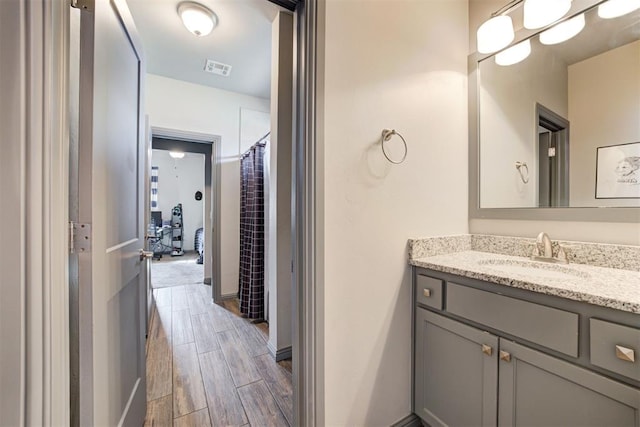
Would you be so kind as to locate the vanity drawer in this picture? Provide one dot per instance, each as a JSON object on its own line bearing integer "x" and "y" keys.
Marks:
{"x": 429, "y": 291}
{"x": 615, "y": 347}
{"x": 549, "y": 327}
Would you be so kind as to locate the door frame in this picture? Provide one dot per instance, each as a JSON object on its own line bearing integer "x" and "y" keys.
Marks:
{"x": 211, "y": 145}
{"x": 559, "y": 129}
{"x": 37, "y": 318}
{"x": 308, "y": 218}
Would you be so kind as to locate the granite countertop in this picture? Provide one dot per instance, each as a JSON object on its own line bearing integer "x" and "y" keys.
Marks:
{"x": 599, "y": 285}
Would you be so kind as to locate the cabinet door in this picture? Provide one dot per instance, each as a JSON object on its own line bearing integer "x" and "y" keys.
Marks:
{"x": 539, "y": 390}
{"x": 456, "y": 371}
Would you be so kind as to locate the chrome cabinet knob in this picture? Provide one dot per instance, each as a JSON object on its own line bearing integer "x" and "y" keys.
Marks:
{"x": 426, "y": 293}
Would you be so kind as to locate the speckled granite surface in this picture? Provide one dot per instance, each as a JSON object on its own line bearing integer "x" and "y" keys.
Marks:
{"x": 594, "y": 254}
{"x": 605, "y": 275}
{"x": 420, "y": 248}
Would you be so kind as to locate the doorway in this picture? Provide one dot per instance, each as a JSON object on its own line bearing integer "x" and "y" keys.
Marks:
{"x": 192, "y": 190}
{"x": 64, "y": 85}
{"x": 175, "y": 232}
{"x": 553, "y": 158}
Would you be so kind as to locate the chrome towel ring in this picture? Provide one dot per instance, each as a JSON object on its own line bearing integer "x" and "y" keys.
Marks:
{"x": 386, "y": 136}
{"x": 524, "y": 176}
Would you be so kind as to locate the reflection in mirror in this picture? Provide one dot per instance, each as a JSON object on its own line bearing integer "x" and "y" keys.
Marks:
{"x": 553, "y": 110}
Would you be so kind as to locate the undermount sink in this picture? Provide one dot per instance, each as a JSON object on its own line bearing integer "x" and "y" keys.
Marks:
{"x": 533, "y": 268}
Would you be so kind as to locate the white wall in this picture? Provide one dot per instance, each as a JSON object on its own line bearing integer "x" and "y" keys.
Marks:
{"x": 388, "y": 64}
{"x": 604, "y": 109}
{"x": 508, "y": 123}
{"x": 604, "y": 232}
{"x": 178, "y": 181}
{"x": 253, "y": 126}
{"x": 179, "y": 105}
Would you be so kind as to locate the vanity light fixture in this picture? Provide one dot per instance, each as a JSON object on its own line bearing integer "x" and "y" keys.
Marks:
{"x": 514, "y": 54}
{"x": 563, "y": 31}
{"x": 495, "y": 34}
{"x": 614, "y": 8}
{"x": 176, "y": 154}
{"x": 197, "y": 18}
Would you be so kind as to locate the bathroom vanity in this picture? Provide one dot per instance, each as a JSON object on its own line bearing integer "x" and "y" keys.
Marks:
{"x": 503, "y": 340}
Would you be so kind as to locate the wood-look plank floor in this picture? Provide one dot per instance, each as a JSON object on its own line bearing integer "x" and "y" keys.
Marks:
{"x": 208, "y": 366}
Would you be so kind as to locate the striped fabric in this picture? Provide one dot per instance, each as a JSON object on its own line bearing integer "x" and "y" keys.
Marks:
{"x": 154, "y": 187}
{"x": 251, "y": 289}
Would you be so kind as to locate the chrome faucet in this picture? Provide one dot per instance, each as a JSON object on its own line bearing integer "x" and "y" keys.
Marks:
{"x": 543, "y": 250}
{"x": 544, "y": 242}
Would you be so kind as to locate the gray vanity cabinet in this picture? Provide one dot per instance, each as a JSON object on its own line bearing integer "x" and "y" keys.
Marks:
{"x": 539, "y": 390}
{"x": 486, "y": 355}
{"x": 456, "y": 372}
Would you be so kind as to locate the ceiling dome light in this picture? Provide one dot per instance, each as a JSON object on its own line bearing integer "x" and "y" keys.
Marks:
{"x": 615, "y": 8}
{"x": 176, "y": 154}
{"x": 540, "y": 13}
{"x": 514, "y": 54}
{"x": 495, "y": 34}
{"x": 563, "y": 31}
{"x": 197, "y": 18}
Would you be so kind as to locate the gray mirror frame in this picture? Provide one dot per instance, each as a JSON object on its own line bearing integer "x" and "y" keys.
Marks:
{"x": 597, "y": 214}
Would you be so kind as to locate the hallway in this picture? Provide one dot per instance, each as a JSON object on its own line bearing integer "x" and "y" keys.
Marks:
{"x": 207, "y": 366}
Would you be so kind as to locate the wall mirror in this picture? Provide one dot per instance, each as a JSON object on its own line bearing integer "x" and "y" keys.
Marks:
{"x": 561, "y": 127}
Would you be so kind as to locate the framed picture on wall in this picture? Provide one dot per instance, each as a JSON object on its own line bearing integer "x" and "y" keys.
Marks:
{"x": 618, "y": 171}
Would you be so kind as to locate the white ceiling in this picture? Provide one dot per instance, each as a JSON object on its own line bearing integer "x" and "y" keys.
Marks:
{"x": 242, "y": 39}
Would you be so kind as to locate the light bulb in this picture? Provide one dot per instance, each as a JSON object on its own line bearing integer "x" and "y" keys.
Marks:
{"x": 197, "y": 18}
{"x": 540, "y": 13}
{"x": 176, "y": 154}
{"x": 495, "y": 34}
{"x": 514, "y": 54}
{"x": 615, "y": 8}
{"x": 563, "y": 31}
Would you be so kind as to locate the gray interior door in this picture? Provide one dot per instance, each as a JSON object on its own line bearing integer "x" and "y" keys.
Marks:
{"x": 111, "y": 163}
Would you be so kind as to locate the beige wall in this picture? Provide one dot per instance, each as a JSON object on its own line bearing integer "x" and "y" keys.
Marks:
{"x": 604, "y": 232}
{"x": 179, "y": 105}
{"x": 388, "y": 64}
{"x": 604, "y": 109}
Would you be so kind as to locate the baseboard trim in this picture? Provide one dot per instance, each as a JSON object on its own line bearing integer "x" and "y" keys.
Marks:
{"x": 411, "y": 420}
{"x": 207, "y": 281}
{"x": 228, "y": 296}
{"x": 282, "y": 354}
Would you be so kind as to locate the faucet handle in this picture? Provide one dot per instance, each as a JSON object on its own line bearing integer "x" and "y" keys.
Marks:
{"x": 562, "y": 255}
{"x": 536, "y": 250}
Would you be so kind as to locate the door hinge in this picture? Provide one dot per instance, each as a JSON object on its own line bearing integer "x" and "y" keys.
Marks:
{"x": 83, "y": 4}
{"x": 79, "y": 237}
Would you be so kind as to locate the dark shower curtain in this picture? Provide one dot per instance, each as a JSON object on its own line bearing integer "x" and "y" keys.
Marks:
{"x": 251, "y": 289}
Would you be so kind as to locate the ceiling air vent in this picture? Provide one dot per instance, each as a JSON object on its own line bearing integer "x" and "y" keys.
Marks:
{"x": 217, "y": 68}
